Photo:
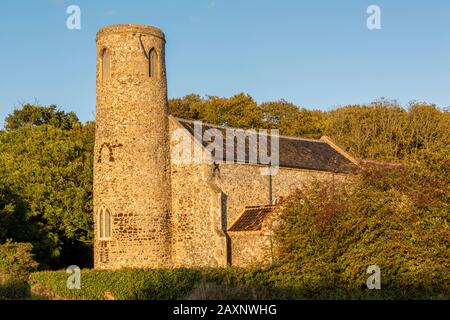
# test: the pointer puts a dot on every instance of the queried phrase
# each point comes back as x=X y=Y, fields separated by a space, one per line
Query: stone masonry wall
x=243 y=185
x=131 y=170
x=205 y=203
x=250 y=249
x=198 y=239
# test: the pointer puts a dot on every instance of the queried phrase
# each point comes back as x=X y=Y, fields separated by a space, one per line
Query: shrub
x=125 y=284
x=16 y=260
x=16 y=263
x=162 y=284
x=394 y=217
x=237 y=283
x=14 y=289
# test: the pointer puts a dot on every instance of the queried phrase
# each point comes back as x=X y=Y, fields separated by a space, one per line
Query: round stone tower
x=132 y=197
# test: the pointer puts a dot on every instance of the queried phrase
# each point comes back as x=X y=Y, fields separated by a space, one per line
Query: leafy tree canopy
x=46 y=179
x=35 y=115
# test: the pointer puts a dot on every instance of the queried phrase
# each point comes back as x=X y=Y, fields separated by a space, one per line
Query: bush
x=16 y=260
x=162 y=284
x=16 y=263
x=237 y=283
x=14 y=289
x=395 y=217
x=125 y=284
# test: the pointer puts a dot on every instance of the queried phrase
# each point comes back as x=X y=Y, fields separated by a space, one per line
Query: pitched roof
x=298 y=153
x=252 y=218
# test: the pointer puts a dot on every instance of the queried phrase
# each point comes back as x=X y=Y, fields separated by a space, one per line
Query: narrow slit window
x=107 y=224
x=106 y=65
x=153 y=63
x=100 y=223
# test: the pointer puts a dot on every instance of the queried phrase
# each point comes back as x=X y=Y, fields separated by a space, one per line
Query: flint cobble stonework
x=163 y=214
x=132 y=179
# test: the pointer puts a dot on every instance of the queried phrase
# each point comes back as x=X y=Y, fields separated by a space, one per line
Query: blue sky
x=316 y=54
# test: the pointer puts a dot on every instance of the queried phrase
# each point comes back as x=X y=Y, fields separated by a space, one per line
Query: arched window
x=153 y=63
x=104 y=223
x=106 y=65
x=100 y=223
x=107 y=224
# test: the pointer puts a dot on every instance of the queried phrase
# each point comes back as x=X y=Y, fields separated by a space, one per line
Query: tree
x=278 y=115
x=35 y=115
x=49 y=165
x=395 y=217
x=238 y=111
x=189 y=107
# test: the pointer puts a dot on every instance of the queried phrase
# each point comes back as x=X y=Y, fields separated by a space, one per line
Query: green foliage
x=31 y=116
x=291 y=120
x=14 y=219
x=16 y=263
x=14 y=289
x=382 y=130
x=396 y=217
x=238 y=111
x=46 y=181
x=219 y=284
x=189 y=107
x=16 y=260
x=124 y=284
x=236 y=283
x=162 y=284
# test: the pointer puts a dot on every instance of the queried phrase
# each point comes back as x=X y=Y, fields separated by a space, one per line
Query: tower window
x=100 y=221
x=104 y=223
x=153 y=63
x=106 y=65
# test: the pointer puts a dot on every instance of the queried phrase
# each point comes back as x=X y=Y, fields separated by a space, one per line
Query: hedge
x=206 y=284
x=125 y=284
x=160 y=284
x=14 y=289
